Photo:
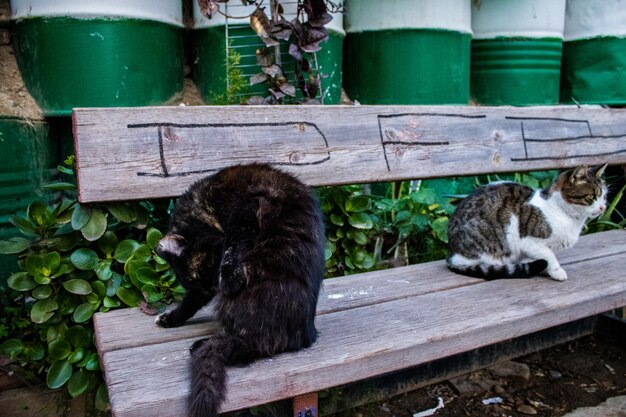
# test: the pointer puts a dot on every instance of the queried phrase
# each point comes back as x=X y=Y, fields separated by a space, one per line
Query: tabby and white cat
x=508 y=230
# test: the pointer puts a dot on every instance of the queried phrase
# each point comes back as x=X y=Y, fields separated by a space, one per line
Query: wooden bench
x=373 y=323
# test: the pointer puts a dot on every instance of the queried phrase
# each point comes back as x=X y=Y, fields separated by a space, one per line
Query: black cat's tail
x=209 y=358
x=491 y=272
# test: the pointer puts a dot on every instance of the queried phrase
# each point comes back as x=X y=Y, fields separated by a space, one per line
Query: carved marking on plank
x=180 y=138
x=412 y=130
x=534 y=130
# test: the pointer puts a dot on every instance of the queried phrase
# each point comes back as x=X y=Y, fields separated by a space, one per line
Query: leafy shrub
x=75 y=260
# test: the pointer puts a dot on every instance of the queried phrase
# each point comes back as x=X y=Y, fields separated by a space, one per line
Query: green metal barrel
x=594 y=52
x=407 y=51
x=85 y=53
x=516 y=51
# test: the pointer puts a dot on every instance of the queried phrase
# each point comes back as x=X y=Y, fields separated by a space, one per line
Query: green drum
x=594 y=52
x=90 y=53
x=407 y=51
x=222 y=69
x=516 y=51
x=28 y=163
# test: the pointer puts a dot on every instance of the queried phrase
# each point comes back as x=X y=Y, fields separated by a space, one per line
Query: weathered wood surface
x=360 y=343
x=118 y=329
x=363 y=342
x=137 y=153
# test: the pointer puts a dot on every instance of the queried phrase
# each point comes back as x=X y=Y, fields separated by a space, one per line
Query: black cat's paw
x=168 y=320
x=232 y=278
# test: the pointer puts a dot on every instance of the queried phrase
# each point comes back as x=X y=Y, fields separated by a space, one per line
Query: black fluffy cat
x=252 y=236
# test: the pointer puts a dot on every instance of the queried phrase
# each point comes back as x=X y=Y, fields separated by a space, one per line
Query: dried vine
x=305 y=33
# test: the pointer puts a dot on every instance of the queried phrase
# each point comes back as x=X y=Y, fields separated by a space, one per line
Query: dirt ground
x=549 y=384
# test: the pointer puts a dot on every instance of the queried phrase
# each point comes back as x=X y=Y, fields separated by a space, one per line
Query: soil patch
x=549 y=383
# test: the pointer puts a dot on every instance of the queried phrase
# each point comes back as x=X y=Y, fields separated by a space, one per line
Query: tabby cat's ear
x=599 y=170
x=578 y=174
x=170 y=246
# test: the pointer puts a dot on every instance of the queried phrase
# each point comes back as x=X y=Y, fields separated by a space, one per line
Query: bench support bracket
x=305 y=405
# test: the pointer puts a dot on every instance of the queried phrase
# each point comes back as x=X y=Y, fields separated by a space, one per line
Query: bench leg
x=305 y=405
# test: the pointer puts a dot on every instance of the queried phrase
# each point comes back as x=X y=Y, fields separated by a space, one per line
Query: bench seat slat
x=408 y=331
x=337 y=294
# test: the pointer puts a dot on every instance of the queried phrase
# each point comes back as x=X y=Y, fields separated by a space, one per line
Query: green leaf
x=361 y=221
x=77 y=286
x=359 y=237
x=78 y=336
x=103 y=271
x=107 y=243
x=440 y=228
x=125 y=250
x=51 y=262
x=42 y=279
x=58 y=374
x=14 y=245
x=78 y=384
x=110 y=302
x=85 y=259
x=122 y=212
x=81 y=215
x=39 y=213
x=34 y=264
x=55 y=332
x=95 y=227
x=63 y=269
x=42 y=310
x=93 y=363
x=152 y=237
x=151 y=294
x=76 y=356
x=11 y=348
x=147 y=275
x=113 y=284
x=142 y=253
x=426 y=196
x=83 y=313
x=36 y=352
x=336 y=220
x=59 y=349
x=329 y=250
x=143 y=218
x=99 y=289
x=129 y=297
x=102 y=398
x=60 y=186
x=357 y=204
x=23 y=224
x=21 y=281
x=41 y=293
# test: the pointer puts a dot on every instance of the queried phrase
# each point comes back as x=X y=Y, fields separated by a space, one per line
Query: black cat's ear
x=599 y=170
x=170 y=246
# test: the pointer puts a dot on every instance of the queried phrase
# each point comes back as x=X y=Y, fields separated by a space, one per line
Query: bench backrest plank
x=151 y=152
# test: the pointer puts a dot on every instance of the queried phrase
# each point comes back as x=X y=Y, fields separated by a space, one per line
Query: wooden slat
x=138 y=153
x=363 y=342
x=337 y=294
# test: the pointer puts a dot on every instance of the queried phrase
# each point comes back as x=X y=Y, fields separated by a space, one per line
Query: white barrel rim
x=368 y=15
x=592 y=19
x=165 y=11
x=518 y=19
